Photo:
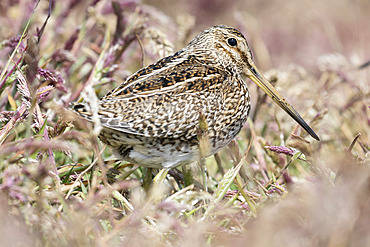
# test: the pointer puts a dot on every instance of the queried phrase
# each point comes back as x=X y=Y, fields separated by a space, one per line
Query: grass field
x=273 y=186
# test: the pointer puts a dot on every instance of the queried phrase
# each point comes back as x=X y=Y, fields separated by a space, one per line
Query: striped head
x=226 y=45
x=229 y=49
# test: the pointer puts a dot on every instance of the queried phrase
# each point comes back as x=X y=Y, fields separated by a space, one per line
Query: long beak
x=253 y=73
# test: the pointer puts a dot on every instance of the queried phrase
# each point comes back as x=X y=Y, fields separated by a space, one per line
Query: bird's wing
x=164 y=102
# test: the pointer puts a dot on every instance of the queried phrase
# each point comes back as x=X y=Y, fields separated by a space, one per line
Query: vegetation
x=273 y=185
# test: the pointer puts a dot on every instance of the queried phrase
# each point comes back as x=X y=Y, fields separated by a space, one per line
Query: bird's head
x=230 y=49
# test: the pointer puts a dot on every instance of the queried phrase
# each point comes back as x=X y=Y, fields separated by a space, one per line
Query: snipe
x=152 y=118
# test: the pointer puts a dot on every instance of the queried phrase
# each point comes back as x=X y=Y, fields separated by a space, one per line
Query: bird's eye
x=232 y=42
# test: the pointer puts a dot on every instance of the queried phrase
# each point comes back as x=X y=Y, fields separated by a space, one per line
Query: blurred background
x=292 y=31
x=60 y=187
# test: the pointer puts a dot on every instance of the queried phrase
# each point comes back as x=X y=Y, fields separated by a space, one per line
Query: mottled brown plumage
x=152 y=118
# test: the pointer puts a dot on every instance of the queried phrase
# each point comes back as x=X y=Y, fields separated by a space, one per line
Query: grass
x=272 y=186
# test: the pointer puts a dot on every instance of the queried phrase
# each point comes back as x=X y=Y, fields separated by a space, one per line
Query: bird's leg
x=204 y=176
x=219 y=164
x=147 y=178
x=188 y=176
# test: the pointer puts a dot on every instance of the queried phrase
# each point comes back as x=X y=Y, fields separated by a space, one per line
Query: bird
x=152 y=118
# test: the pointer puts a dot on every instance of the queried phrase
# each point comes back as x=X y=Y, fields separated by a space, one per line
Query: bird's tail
x=81 y=109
